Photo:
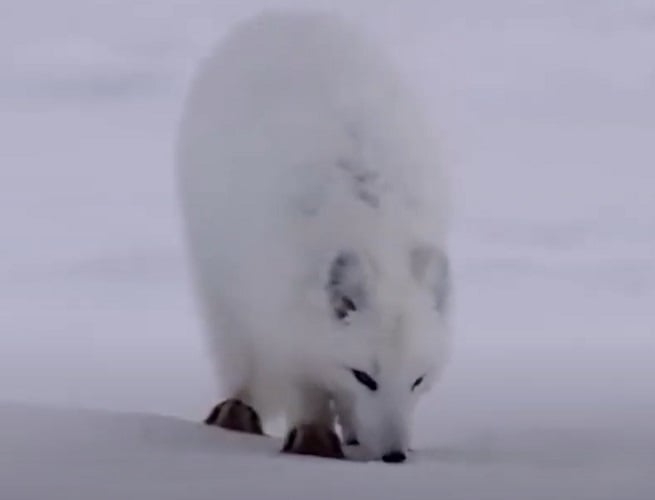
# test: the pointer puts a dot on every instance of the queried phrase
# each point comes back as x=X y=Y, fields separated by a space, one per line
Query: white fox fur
x=316 y=213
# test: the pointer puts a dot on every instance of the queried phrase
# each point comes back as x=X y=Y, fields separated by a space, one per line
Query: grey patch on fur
x=345 y=285
x=431 y=266
x=368 y=198
x=363 y=181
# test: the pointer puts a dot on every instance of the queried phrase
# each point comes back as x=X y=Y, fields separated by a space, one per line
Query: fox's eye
x=417 y=382
x=365 y=379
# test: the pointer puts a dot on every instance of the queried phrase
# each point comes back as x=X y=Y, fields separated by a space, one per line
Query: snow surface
x=548 y=118
x=67 y=455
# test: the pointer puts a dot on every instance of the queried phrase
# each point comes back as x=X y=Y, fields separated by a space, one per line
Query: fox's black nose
x=394 y=457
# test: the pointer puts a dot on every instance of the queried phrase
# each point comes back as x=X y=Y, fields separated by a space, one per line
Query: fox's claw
x=235 y=415
x=313 y=439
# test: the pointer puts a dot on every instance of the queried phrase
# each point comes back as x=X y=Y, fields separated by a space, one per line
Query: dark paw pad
x=317 y=440
x=234 y=415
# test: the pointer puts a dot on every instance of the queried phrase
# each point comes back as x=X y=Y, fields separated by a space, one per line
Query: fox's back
x=299 y=140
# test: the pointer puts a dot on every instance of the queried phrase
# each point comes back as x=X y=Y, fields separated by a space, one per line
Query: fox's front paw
x=235 y=415
x=313 y=439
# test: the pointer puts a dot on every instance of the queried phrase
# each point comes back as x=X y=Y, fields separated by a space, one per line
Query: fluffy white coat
x=301 y=147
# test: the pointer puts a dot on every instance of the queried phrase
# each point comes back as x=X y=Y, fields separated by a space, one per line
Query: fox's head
x=392 y=338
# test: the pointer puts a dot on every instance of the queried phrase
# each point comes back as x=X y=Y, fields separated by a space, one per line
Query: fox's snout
x=394 y=457
x=385 y=440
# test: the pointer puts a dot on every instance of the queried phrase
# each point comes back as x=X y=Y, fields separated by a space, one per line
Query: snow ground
x=548 y=117
x=66 y=455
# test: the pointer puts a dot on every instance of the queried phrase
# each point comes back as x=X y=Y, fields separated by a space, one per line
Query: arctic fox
x=316 y=214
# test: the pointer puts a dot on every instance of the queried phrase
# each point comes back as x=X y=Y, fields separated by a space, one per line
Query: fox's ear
x=431 y=268
x=346 y=285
